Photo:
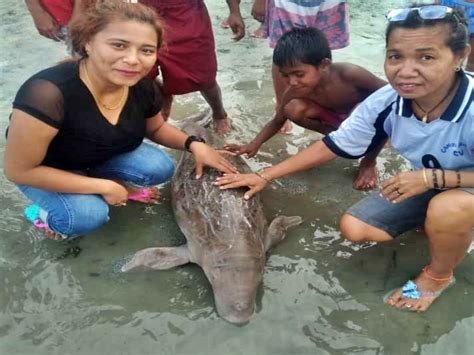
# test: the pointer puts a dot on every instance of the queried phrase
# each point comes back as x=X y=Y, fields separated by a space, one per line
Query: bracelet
x=428 y=274
x=443 y=177
x=435 y=178
x=262 y=177
x=458 y=179
x=425 y=179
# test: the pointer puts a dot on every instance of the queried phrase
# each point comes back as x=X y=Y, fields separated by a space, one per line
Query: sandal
x=145 y=195
x=31 y=213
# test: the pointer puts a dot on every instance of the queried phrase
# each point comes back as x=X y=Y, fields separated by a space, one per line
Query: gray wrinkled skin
x=226 y=235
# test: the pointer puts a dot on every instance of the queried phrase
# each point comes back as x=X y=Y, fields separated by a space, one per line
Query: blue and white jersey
x=447 y=142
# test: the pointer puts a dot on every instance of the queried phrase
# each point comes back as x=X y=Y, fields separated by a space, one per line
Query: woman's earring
x=458 y=68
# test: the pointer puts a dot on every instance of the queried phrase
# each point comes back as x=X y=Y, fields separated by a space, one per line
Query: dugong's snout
x=236 y=311
x=235 y=290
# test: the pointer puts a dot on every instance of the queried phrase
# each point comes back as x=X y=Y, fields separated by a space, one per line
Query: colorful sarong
x=467 y=7
x=330 y=16
x=187 y=60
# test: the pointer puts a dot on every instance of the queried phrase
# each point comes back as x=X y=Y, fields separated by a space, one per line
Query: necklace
x=96 y=97
x=426 y=113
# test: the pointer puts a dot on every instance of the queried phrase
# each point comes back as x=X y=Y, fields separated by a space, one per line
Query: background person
x=187 y=62
x=51 y=17
x=468 y=7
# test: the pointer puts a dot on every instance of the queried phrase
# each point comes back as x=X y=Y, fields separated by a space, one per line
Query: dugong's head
x=235 y=283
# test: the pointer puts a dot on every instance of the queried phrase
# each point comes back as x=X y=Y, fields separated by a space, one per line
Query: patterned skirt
x=330 y=16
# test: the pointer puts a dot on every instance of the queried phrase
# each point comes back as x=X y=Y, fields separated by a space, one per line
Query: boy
x=320 y=94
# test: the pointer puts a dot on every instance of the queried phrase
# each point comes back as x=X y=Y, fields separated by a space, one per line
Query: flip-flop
x=32 y=212
x=143 y=195
x=410 y=290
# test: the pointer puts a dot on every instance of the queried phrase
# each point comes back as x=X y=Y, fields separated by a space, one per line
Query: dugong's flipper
x=276 y=230
x=158 y=258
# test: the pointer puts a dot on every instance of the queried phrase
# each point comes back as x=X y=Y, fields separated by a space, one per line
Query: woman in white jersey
x=427 y=111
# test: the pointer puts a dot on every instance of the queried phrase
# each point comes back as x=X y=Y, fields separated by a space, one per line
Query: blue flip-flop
x=410 y=290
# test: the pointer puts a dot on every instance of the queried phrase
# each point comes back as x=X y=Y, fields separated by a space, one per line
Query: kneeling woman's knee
x=80 y=214
x=160 y=169
x=450 y=210
x=352 y=228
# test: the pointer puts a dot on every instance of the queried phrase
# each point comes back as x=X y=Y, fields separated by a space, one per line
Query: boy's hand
x=248 y=150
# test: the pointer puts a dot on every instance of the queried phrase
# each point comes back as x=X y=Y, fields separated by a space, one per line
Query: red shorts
x=187 y=59
x=60 y=10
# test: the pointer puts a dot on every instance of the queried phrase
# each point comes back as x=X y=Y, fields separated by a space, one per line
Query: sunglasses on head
x=432 y=12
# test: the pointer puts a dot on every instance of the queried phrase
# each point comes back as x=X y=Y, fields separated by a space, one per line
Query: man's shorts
x=395 y=218
x=187 y=59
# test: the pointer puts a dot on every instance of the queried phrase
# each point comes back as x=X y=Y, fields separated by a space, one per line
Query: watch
x=190 y=139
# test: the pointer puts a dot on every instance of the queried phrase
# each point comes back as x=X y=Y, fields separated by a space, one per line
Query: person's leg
x=143 y=167
x=166 y=99
x=367 y=177
x=213 y=97
x=448 y=225
x=470 y=59
x=68 y=214
x=310 y=115
x=376 y=219
x=279 y=86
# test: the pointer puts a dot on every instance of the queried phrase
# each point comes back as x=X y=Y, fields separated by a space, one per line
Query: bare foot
x=286 y=128
x=428 y=288
x=149 y=195
x=258 y=33
x=225 y=24
x=222 y=125
x=367 y=177
x=48 y=233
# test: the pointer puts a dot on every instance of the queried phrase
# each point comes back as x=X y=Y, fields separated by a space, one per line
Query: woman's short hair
x=97 y=17
x=455 y=22
x=305 y=45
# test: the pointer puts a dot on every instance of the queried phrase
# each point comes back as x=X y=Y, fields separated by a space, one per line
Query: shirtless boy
x=320 y=94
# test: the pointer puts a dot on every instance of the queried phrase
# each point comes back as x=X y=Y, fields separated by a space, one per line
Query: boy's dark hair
x=305 y=45
x=456 y=23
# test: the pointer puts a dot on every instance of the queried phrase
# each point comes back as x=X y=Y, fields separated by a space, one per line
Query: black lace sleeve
x=41 y=99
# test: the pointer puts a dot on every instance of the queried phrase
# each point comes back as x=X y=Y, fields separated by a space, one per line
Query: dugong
x=226 y=235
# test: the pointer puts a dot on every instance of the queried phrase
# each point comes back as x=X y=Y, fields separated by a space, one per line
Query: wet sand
x=320 y=294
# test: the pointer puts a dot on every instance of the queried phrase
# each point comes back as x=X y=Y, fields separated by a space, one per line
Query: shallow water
x=320 y=294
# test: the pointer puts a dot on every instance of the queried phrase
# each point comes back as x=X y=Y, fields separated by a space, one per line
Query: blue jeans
x=77 y=214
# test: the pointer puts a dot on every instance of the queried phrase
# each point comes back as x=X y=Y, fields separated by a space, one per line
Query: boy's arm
x=44 y=22
x=268 y=131
x=361 y=78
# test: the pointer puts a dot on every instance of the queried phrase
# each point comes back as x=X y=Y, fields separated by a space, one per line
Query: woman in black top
x=75 y=141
